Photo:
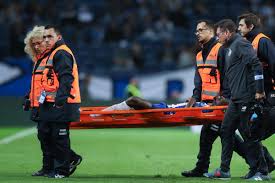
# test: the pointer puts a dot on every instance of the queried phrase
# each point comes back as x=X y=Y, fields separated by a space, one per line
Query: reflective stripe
x=199 y=62
x=41 y=67
x=210 y=93
x=52 y=94
x=258 y=77
x=211 y=62
x=207 y=62
x=50 y=62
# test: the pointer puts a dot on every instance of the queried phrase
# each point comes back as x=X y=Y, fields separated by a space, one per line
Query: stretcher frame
x=94 y=117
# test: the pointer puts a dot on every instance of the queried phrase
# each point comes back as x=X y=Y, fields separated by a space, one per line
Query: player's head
x=34 y=42
x=133 y=80
x=247 y=22
x=205 y=31
x=225 y=29
x=51 y=36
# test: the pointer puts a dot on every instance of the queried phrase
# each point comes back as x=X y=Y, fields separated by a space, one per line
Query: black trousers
x=55 y=145
x=237 y=116
x=209 y=133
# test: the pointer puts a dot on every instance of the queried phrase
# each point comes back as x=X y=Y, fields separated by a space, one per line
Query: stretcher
x=94 y=117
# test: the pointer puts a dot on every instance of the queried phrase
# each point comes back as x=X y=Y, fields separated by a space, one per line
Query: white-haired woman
x=35 y=46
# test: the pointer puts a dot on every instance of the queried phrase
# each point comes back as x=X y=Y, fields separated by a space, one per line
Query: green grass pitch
x=119 y=156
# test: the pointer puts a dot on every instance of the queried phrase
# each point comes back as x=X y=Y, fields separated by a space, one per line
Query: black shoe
x=193 y=173
x=250 y=174
x=271 y=168
x=41 y=172
x=74 y=164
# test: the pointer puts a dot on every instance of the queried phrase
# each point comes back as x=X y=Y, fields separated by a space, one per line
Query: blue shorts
x=161 y=105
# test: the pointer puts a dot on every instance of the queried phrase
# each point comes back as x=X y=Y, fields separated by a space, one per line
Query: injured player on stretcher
x=137 y=103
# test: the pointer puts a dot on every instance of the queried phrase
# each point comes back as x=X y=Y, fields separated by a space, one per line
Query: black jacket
x=68 y=112
x=197 y=79
x=266 y=54
x=242 y=66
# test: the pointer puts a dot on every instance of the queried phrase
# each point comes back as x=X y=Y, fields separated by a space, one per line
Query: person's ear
x=251 y=27
x=59 y=37
x=226 y=32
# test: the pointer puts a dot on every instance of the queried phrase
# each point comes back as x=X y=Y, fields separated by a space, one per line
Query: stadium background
x=114 y=40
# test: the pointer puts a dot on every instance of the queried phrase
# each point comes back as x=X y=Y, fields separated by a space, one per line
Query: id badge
x=42 y=97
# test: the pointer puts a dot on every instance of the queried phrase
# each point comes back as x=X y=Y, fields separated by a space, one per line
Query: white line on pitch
x=18 y=135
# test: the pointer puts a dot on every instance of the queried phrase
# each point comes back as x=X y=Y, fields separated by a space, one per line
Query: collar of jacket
x=250 y=36
x=231 y=39
x=43 y=55
x=57 y=44
x=210 y=43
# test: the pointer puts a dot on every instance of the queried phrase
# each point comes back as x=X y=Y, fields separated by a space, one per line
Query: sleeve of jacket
x=198 y=85
x=225 y=92
x=267 y=52
x=250 y=58
x=63 y=67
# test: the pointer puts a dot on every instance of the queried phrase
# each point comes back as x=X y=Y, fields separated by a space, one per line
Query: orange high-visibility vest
x=50 y=83
x=255 y=44
x=36 y=84
x=210 y=84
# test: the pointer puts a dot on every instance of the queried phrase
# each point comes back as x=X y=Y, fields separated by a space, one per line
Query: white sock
x=180 y=105
x=120 y=106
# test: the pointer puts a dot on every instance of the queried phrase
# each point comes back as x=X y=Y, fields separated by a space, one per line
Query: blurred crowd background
x=115 y=36
x=121 y=38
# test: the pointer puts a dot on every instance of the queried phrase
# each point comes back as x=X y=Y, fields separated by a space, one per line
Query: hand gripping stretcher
x=94 y=117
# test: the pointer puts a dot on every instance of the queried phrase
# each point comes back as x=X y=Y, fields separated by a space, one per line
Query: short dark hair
x=227 y=24
x=208 y=23
x=250 y=19
x=56 y=29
